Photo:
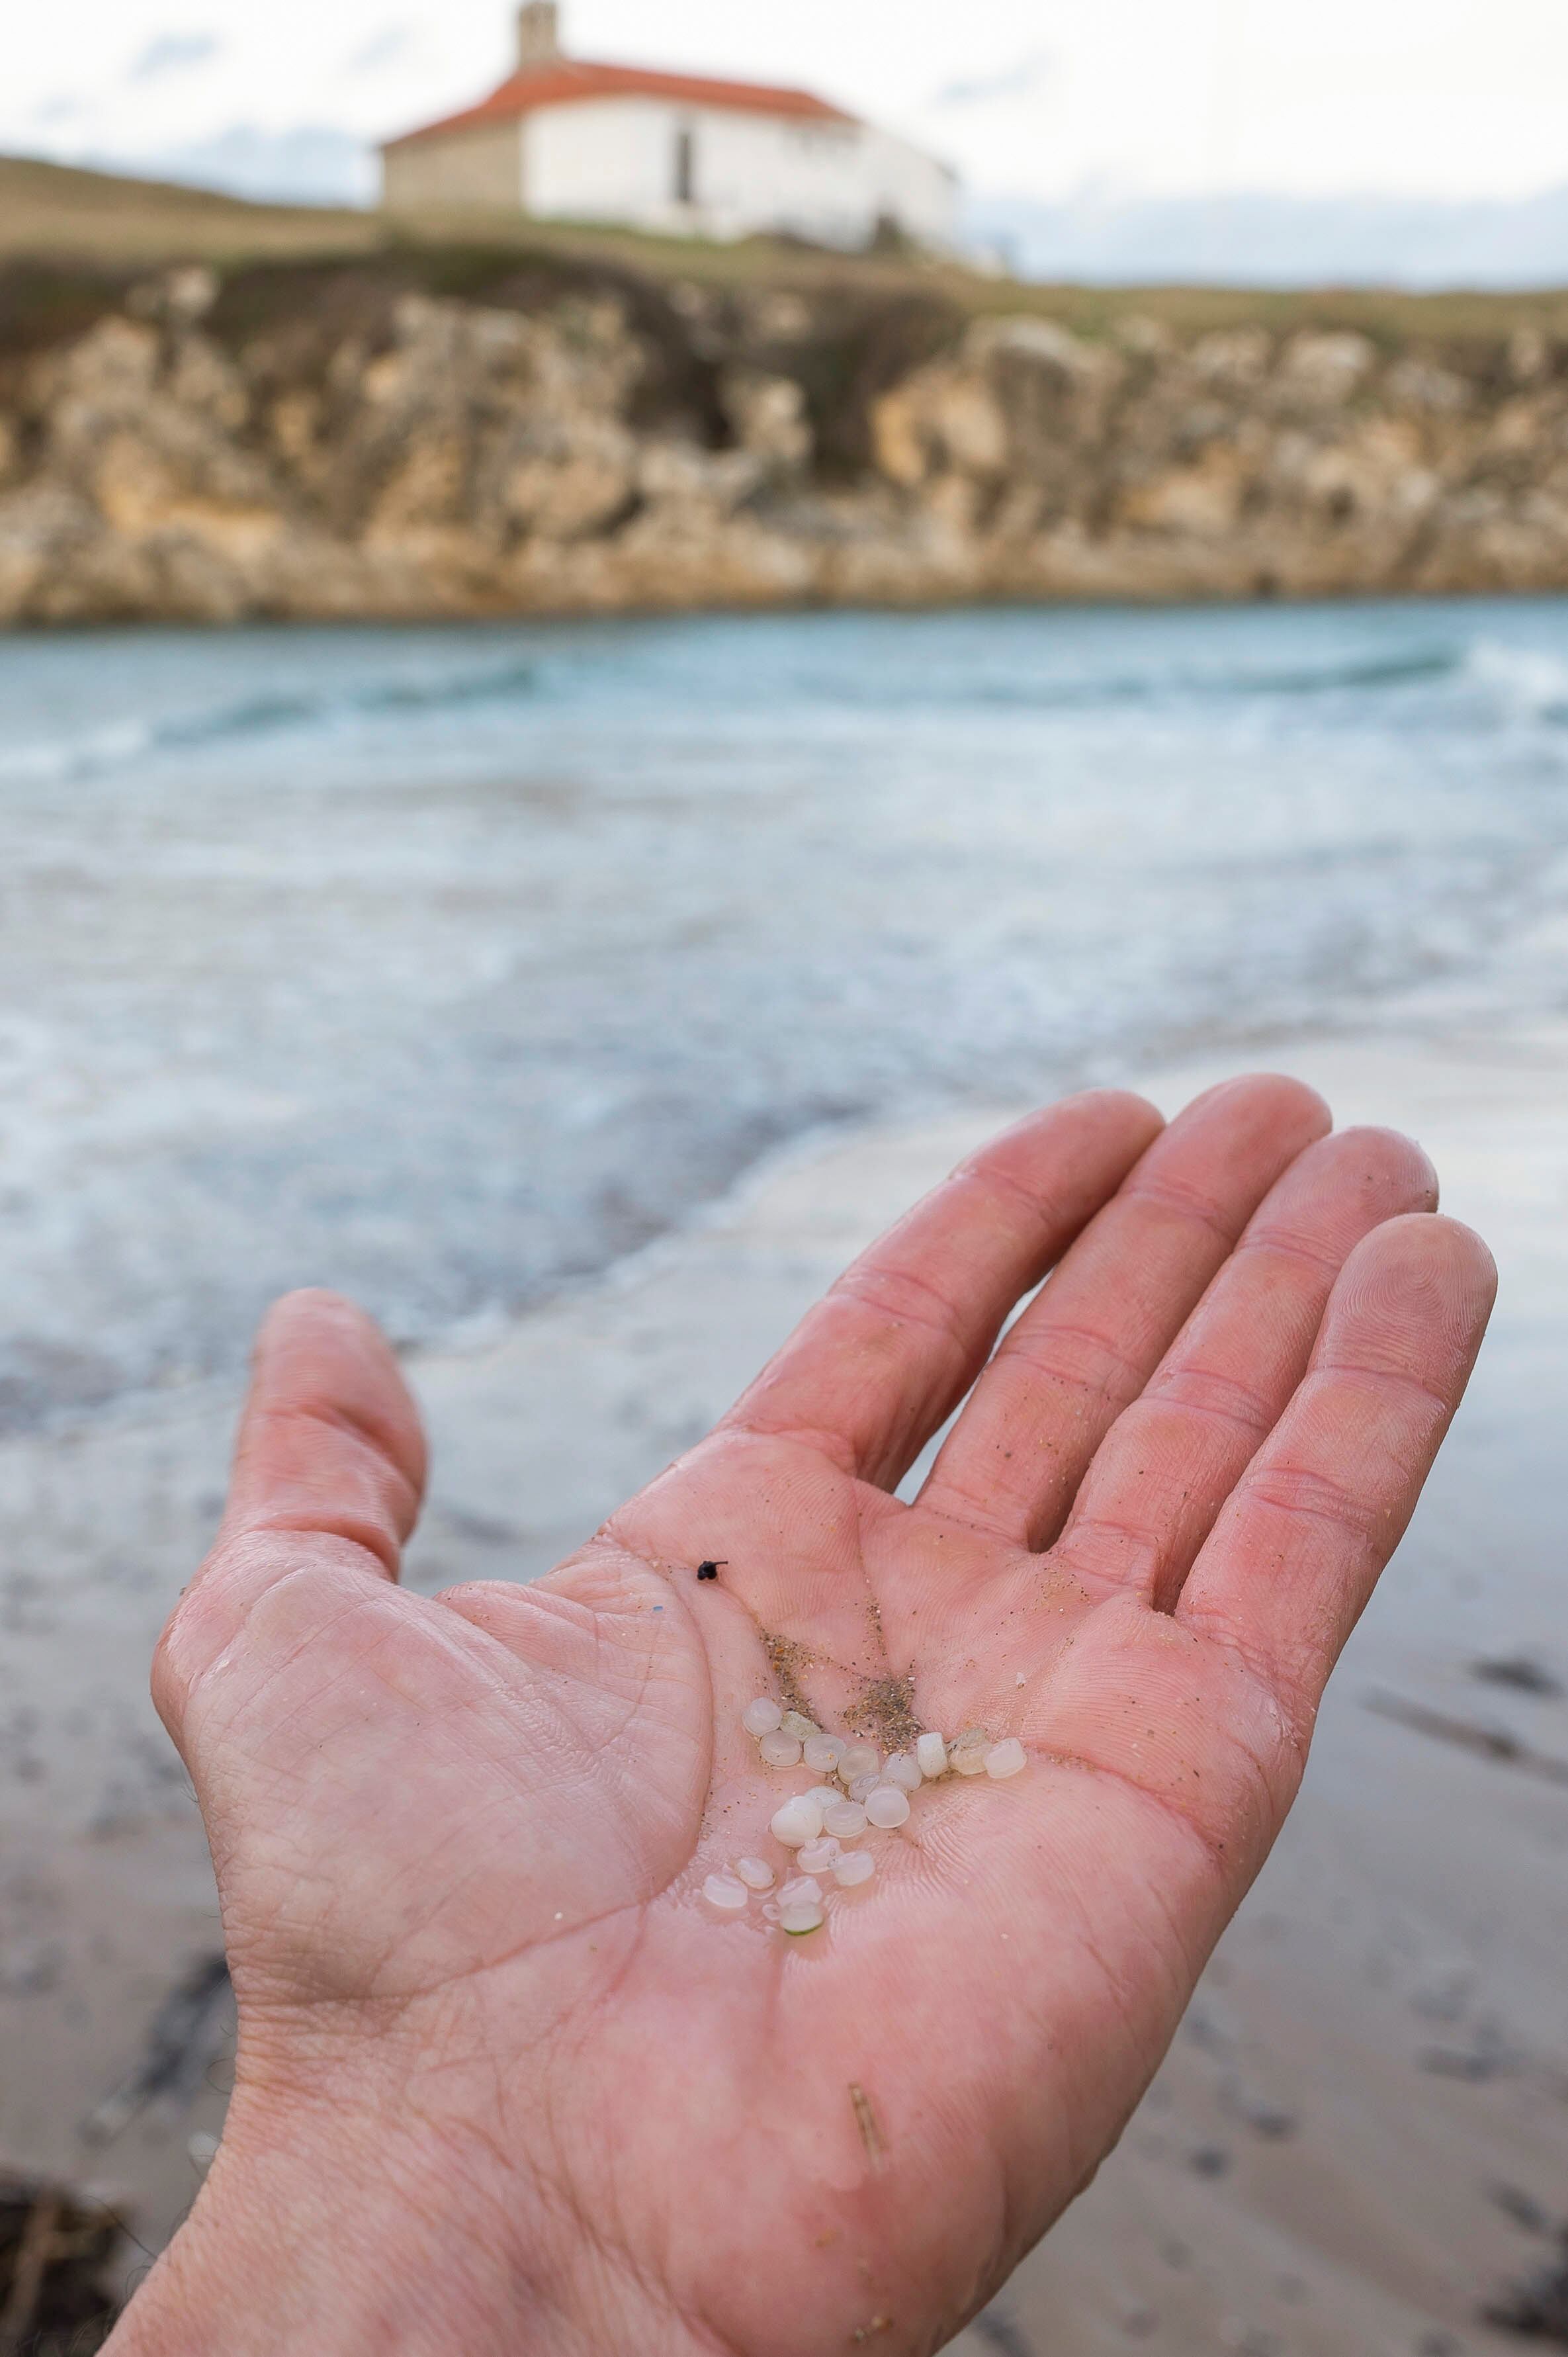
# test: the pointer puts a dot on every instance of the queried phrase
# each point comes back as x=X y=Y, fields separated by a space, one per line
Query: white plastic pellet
x=724 y=1892
x=796 y=1723
x=845 y=1821
x=888 y=1806
x=800 y=1821
x=826 y=1795
x=1008 y=1759
x=755 y=1872
x=763 y=1716
x=865 y=1785
x=817 y=1857
x=902 y=1770
x=798 y=1921
x=805 y=1891
x=855 y=1865
x=780 y=1750
x=931 y=1754
x=823 y=1753
x=859 y=1759
x=967 y=1755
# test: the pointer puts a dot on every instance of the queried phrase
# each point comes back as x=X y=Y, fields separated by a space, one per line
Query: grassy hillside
x=102 y=226
x=49 y=210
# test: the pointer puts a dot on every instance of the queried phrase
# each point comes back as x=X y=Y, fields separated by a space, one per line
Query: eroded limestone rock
x=311 y=446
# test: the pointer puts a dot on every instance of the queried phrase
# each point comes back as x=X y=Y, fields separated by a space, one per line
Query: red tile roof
x=569 y=82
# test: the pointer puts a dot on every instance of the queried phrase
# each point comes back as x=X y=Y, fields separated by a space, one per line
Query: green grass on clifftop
x=79 y=230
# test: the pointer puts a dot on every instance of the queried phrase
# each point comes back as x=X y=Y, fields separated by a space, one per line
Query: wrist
x=310 y=2235
x=336 y=2230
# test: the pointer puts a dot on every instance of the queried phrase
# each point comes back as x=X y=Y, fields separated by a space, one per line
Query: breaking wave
x=1157 y=685
x=1530 y=683
x=1524 y=683
x=121 y=746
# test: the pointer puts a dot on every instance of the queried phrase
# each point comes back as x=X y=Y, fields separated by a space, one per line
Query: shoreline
x=476 y=1333
x=897 y=861
x=937 y=598
x=1382 y=2036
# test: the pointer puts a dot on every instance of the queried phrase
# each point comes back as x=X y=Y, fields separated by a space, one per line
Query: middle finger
x=1089 y=1343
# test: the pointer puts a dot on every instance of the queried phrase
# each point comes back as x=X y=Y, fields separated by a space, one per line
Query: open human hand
x=505 y=2080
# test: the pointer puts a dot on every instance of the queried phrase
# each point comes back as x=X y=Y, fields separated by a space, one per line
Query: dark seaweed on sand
x=54 y=2250
x=1538 y=2309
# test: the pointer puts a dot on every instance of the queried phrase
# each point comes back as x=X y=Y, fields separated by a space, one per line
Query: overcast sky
x=1034 y=98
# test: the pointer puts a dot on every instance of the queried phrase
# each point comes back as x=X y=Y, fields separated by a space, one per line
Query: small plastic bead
x=800 y=1821
x=724 y=1892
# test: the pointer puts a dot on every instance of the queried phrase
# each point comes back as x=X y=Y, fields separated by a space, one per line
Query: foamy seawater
x=445 y=966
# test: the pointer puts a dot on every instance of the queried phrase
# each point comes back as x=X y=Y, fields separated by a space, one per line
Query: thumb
x=328 y=1474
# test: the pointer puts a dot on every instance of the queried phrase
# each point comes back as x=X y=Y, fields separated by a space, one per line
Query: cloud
x=1279 y=241
x=381 y=49
x=175 y=53
x=58 y=109
x=310 y=165
x=1019 y=81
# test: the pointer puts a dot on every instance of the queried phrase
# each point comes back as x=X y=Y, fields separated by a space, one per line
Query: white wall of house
x=598 y=159
x=912 y=188
x=630 y=159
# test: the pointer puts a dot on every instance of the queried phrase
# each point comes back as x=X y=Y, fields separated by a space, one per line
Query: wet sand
x=1361 y=2137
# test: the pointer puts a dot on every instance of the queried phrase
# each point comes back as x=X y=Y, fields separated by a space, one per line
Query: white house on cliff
x=565 y=140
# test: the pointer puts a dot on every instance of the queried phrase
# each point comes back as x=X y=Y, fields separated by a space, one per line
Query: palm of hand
x=461 y=1844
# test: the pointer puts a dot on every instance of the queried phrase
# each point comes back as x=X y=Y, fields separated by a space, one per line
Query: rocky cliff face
x=383 y=439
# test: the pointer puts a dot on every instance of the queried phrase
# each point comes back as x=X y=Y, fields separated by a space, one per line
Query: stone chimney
x=538 y=36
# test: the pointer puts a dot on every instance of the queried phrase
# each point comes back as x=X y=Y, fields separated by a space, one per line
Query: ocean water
x=449 y=966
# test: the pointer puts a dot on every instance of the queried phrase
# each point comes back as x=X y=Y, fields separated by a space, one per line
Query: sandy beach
x=1360 y=2140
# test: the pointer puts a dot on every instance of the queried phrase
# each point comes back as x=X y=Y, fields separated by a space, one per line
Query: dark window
x=685 y=167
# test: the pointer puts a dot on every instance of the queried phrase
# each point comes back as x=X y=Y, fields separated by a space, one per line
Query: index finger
x=881 y=1363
